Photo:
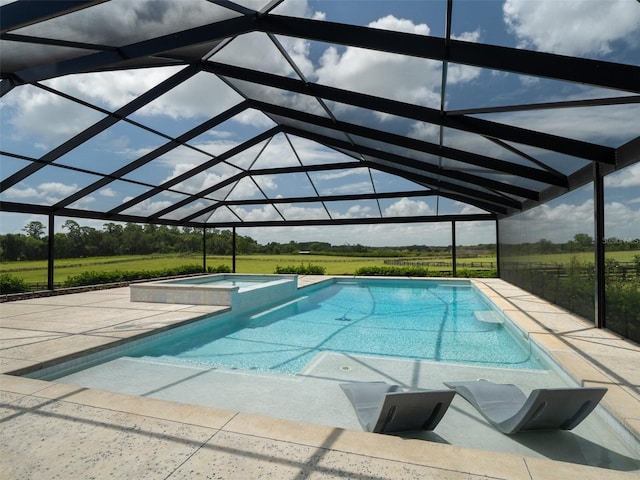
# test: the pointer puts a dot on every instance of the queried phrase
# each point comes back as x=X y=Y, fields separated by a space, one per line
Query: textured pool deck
x=54 y=430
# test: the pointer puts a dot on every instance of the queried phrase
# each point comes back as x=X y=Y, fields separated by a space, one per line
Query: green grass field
x=583 y=257
x=36 y=271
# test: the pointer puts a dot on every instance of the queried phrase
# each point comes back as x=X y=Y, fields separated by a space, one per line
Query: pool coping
x=588 y=355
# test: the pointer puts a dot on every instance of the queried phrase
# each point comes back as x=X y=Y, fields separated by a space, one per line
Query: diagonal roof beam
x=413 y=144
x=191 y=173
x=100 y=126
x=559 y=67
x=24 y=13
x=13 y=37
x=104 y=60
x=236 y=7
x=482 y=200
x=161 y=150
x=588 y=102
x=576 y=148
x=415 y=165
x=239 y=176
x=436 y=170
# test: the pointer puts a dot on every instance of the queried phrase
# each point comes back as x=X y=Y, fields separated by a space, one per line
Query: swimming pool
x=425 y=320
x=314 y=395
x=428 y=320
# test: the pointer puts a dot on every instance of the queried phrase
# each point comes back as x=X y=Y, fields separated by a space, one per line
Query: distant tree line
x=581 y=242
x=76 y=241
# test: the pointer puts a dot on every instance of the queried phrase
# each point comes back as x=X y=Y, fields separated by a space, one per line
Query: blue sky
x=33 y=121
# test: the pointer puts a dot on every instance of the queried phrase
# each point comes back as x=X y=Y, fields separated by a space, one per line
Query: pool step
x=488 y=316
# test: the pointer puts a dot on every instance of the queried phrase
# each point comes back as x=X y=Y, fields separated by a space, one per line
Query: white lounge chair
x=509 y=410
x=385 y=408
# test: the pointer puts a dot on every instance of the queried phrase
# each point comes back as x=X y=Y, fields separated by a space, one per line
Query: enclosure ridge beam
x=527 y=62
x=546 y=141
x=87 y=214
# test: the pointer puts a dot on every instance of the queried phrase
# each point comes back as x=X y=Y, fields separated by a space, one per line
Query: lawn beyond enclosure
x=36 y=271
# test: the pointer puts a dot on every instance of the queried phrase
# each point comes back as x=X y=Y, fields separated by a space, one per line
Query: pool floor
x=314 y=396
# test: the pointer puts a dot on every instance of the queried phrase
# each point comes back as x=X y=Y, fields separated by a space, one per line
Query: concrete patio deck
x=53 y=430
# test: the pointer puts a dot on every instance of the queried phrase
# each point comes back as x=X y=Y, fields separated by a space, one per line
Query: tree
x=34 y=229
x=583 y=241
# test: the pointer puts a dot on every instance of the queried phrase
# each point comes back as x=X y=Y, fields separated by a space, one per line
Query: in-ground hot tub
x=239 y=291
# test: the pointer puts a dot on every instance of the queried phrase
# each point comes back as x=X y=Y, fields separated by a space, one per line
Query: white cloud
x=146 y=207
x=336 y=175
x=264 y=213
x=16 y=193
x=201 y=181
x=621 y=221
x=107 y=192
x=389 y=75
x=347 y=188
x=44 y=119
x=606 y=123
x=356 y=211
x=121 y=22
x=577 y=27
x=400 y=25
x=296 y=212
x=47 y=193
x=563 y=215
x=267 y=182
x=469 y=209
x=406 y=207
x=628 y=177
x=84 y=202
x=188 y=210
x=112 y=89
x=559 y=223
x=369 y=235
x=203 y=95
x=256 y=50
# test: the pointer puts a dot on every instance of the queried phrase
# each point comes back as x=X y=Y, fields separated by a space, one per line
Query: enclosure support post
x=50 y=250
x=204 y=249
x=454 y=271
x=233 y=251
x=497 y=248
x=598 y=209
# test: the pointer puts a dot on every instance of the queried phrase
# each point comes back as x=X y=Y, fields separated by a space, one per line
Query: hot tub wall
x=181 y=294
x=277 y=288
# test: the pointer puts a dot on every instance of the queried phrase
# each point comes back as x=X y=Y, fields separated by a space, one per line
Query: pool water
x=223 y=283
x=220 y=282
x=424 y=320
